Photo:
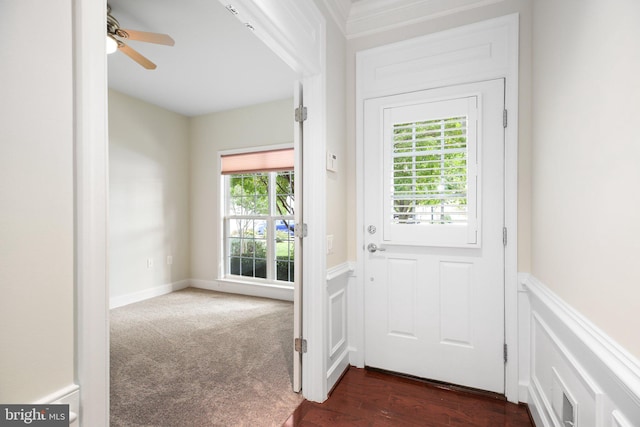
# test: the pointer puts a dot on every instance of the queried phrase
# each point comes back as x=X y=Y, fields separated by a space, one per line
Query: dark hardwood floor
x=370 y=398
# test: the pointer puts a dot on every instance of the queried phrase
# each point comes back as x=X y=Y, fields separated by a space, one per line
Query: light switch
x=332 y=162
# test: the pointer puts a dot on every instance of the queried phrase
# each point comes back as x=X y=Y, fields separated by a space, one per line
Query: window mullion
x=271 y=227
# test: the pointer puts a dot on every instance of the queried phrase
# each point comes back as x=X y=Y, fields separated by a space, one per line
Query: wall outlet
x=169 y=260
x=149 y=263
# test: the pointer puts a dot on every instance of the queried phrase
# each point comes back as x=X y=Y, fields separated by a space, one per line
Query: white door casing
x=299 y=219
x=303 y=48
x=480 y=51
x=434 y=290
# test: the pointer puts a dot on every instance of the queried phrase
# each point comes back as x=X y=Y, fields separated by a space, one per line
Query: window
x=259 y=222
x=430 y=172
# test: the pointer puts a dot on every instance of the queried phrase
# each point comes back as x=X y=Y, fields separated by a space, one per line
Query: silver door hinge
x=505 y=354
x=504 y=236
x=504 y=118
x=301 y=231
x=301 y=114
x=300 y=345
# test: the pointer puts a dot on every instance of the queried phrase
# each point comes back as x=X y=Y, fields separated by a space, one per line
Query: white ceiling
x=216 y=64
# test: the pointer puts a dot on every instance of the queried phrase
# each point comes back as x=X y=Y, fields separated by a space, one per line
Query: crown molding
x=339 y=10
x=364 y=17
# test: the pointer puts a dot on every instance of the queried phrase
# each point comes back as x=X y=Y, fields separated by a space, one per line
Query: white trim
x=537 y=406
x=296 y=32
x=255 y=149
x=340 y=270
x=504 y=32
x=337 y=368
x=284 y=293
x=343 y=327
x=339 y=11
x=620 y=363
x=69 y=395
x=338 y=320
x=58 y=395
x=619 y=420
x=293 y=30
x=91 y=195
x=511 y=207
x=145 y=294
x=375 y=16
x=314 y=294
x=602 y=377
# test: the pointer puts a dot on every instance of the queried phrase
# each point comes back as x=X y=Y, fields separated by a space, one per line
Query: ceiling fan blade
x=136 y=56
x=144 y=36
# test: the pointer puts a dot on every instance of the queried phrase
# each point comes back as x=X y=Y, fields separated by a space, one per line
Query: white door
x=434 y=215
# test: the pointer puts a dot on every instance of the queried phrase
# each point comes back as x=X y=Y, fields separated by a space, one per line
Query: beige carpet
x=199 y=358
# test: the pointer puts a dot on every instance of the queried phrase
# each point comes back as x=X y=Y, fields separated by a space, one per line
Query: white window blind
x=429 y=180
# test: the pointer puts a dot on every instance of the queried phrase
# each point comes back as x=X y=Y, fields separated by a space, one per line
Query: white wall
x=36 y=200
x=501 y=8
x=259 y=125
x=585 y=243
x=149 y=196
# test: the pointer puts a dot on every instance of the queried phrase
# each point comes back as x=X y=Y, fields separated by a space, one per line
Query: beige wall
x=586 y=154
x=36 y=200
x=337 y=182
x=523 y=7
x=259 y=125
x=148 y=195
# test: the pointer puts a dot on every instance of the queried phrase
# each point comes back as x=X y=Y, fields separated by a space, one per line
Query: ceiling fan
x=115 y=35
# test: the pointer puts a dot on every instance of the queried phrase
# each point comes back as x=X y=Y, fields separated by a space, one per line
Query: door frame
x=485 y=50
x=276 y=23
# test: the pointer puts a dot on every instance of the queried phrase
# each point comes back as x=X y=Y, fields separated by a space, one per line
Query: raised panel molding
x=338 y=321
x=471 y=53
x=567 y=351
x=337 y=338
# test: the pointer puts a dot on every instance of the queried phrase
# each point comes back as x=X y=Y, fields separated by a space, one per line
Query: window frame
x=270 y=218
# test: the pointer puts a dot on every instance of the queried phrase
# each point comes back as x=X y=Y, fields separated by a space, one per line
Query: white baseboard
x=69 y=395
x=122 y=300
x=569 y=355
x=284 y=293
x=337 y=369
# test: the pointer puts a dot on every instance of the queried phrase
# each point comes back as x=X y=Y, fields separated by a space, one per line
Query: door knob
x=372 y=247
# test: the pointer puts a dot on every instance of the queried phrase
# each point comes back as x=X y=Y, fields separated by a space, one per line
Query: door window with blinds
x=259 y=215
x=430 y=169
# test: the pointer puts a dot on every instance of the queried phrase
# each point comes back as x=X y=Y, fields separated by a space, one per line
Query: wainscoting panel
x=337 y=342
x=577 y=375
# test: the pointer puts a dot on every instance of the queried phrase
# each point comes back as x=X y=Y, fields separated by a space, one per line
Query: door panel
x=434 y=208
